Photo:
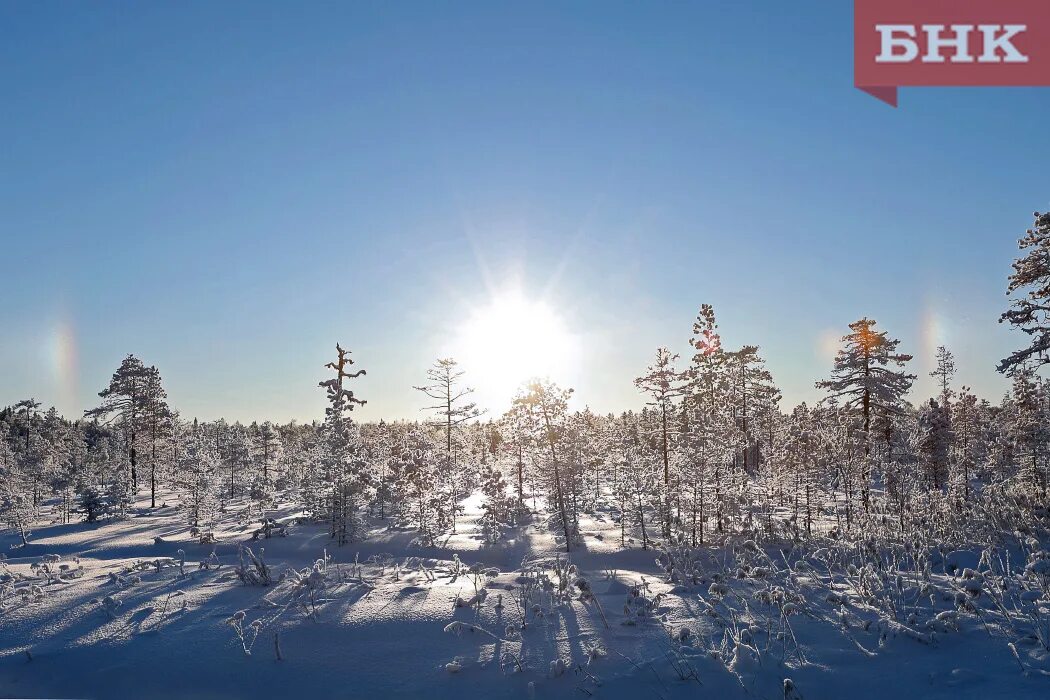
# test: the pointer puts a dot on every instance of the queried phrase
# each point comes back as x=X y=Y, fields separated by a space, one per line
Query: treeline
x=711 y=455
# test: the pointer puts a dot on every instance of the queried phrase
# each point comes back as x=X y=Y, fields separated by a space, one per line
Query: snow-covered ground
x=380 y=618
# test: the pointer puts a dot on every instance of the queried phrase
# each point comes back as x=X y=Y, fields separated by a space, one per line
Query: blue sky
x=227 y=189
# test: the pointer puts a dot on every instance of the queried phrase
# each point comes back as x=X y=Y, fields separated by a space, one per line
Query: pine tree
x=711 y=425
x=28 y=408
x=199 y=473
x=664 y=384
x=865 y=380
x=233 y=447
x=16 y=502
x=754 y=396
x=157 y=420
x=935 y=442
x=971 y=440
x=346 y=473
x=497 y=506
x=266 y=446
x=124 y=401
x=1031 y=312
x=94 y=503
x=943 y=373
x=118 y=495
x=797 y=452
x=698 y=452
x=518 y=430
x=453 y=408
x=384 y=452
x=1030 y=428
x=425 y=505
x=547 y=404
x=68 y=461
x=33 y=455
x=634 y=480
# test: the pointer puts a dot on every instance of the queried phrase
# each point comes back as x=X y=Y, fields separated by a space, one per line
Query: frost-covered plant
x=477 y=575
x=246 y=637
x=252 y=570
x=308 y=585
x=527 y=598
x=681 y=562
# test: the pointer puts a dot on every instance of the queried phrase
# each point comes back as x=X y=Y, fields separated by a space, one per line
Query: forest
x=712 y=454
x=713 y=477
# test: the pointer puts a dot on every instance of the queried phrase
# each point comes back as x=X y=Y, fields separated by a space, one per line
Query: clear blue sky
x=226 y=189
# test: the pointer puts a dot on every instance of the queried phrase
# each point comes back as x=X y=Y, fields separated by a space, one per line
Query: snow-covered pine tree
x=713 y=431
x=33 y=453
x=266 y=448
x=200 y=481
x=696 y=455
x=68 y=461
x=970 y=425
x=636 y=481
x=865 y=381
x=233 y=447
x=517 y=428
x=261 y=494
x=664 y=383
x=935 y=443
x=797 y=453
x=101 y=459
x=157 y=423
x=16 y=497
x=453 y=407
x=347 y=476
x=547 y=406
x=118 y=495
x=123 y=403
x=1029 y=428
x=497 y=505
x=1031 y=312
x=843 y=444
x=385 y=454
x=425 y=506
x=943 y=373
x=92 y=502
x=753 y=396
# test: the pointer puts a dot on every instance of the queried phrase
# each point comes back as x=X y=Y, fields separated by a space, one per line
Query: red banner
x=949 y=43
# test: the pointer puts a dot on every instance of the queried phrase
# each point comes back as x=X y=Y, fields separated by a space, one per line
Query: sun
x=509 y=340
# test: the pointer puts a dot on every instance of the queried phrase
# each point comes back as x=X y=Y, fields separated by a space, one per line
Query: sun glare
x=512 y=339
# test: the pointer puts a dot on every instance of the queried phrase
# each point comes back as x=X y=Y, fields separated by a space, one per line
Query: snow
x=380 y=618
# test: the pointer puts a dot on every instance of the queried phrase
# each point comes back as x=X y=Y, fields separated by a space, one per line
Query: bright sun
x=510 y=340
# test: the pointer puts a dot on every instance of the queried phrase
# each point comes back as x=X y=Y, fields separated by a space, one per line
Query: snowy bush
x=252 y=570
